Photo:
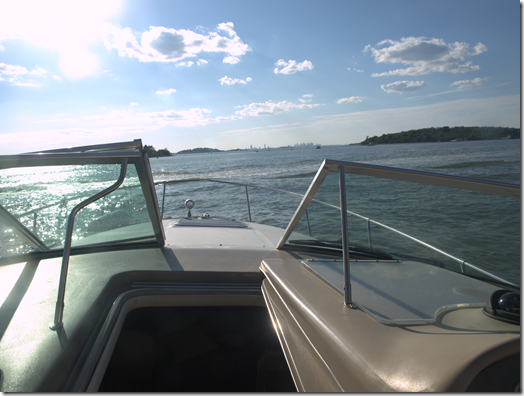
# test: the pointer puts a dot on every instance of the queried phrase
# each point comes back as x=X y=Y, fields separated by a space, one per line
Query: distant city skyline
x=251 y=147
x=230 y=74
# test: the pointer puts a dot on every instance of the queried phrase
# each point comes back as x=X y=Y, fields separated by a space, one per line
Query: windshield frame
x=103 y=154
x=400 y=174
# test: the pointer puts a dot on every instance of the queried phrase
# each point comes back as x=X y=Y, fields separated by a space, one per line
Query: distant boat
x=318 y=147
x=371 y=144
x=457 y=140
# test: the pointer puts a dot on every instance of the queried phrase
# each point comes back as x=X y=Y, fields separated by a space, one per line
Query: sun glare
x=78 y=64
x=67 y=26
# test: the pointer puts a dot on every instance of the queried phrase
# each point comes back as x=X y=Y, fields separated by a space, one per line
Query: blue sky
x=230 y=74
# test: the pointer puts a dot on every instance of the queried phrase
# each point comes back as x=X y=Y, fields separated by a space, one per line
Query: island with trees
x=152 y=152
x=199 y=150
x=445 y=134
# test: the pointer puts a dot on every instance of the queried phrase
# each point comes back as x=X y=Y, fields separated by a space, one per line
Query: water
x=293 y=170
x=461 y=223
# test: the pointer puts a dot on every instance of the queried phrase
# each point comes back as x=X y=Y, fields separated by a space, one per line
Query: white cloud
x=231 y=60
x=404 y=86
x=351 y=99
x=161 y=44
x=11 y=70
x=232 y=81
x=166 y=92
x=133 y=104
x=358 y=71
x=191 y=63
x=19 y=75
x=55 y=77
x=271 y=108
x=228 y=27
x=425 y=56
x=21 y=84
x=291 y=66
x=130 y=120
x=308 y=98
x=38 y=72
x=463 y=84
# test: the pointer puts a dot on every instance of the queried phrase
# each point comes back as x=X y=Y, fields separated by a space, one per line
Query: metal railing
x=421 y=177
x=245 y=185
x=462 y=263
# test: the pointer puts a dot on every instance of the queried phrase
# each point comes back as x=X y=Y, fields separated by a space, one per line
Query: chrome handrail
x=59 y=310
x=246 y=185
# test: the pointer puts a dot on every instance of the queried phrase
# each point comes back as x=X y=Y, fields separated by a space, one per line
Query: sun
x=78 y=64
x=66 y=26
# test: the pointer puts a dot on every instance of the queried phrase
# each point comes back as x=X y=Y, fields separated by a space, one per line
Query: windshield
x=433 y=224
x=36 y=202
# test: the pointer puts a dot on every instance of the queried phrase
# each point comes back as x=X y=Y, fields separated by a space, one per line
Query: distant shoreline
x=425 y=135
x=444 y=134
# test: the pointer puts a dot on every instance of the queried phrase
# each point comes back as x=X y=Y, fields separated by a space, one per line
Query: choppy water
x=484 y=230
x=465 y=223
x=293 y=170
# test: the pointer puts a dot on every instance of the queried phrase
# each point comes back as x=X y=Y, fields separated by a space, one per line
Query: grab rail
x=59 y=310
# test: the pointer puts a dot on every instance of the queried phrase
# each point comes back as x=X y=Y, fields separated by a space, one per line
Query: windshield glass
x=36 y=203
x=437 y=225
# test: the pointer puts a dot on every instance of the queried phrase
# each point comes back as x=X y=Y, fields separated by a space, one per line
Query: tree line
x=152 y=152
x=445 y=134
x=199 y=150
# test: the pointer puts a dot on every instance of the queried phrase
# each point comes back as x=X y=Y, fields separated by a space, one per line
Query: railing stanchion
x=163 y=200
x=307 y=221
x=248 y=208
x=345 y=248
x=369 y=234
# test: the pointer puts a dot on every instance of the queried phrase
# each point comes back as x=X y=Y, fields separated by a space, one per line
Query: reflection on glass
x=41 y=199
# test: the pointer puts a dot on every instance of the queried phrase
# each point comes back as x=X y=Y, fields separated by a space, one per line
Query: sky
x=233 y=74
